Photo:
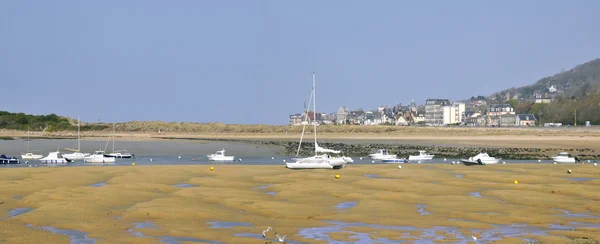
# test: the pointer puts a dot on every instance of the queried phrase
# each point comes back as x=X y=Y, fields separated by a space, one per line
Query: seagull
x=239 y=159
x=474 y=238
x=281 y=239
x=265 y=231
x=150 y=160
x=444 y=159
x=373 y=161
x=178 y=156
x=272 y=157
x=360 y=158
x=284 y=160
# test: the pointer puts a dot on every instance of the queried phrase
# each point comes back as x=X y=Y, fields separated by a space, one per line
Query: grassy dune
x=63 y=198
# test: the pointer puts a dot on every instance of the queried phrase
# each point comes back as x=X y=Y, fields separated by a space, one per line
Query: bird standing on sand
x=474 y=238
x=265 y=231
x=281 y=239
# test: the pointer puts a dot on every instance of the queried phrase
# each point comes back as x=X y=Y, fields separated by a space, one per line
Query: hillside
x=578 y=82
x=577 y=91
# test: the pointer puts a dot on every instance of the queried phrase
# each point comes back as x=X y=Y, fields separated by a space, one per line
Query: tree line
x=48 y=123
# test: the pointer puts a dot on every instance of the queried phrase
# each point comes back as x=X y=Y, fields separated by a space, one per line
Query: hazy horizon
x=250 y=62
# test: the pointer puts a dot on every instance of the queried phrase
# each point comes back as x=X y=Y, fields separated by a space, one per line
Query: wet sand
x=234 y=203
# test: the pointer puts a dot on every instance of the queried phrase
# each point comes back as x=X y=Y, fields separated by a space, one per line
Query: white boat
x=29 y=154
x=423 y=156
x=564 y=158
x=480 y=159
x=77 y=154
x=118 y=153
x=98 y=157
x=55 y=158
x=382 y=154
x=220 y=156
x=321 y=159
x=394 y=160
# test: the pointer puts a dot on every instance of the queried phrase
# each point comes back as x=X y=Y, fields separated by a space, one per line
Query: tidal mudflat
x=414 y=204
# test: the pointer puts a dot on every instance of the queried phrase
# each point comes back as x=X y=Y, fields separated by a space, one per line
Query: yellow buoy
x=337 y=176
x=212 y=168
x=516 y=182
x=132 y=164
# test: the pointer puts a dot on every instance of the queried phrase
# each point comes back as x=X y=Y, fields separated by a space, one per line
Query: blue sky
x=251 y=61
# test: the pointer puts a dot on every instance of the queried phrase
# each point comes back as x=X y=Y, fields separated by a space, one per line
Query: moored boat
x=394 y=160
x=564 y=158
x=8 y=160
x=98 y=157
x=55 y=158
x=220 y=156
x=423 y=156
x=480 y=159
x=382 y=154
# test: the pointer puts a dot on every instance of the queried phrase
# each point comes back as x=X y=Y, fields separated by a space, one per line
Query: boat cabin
x=563 y=154
x=383 y=152
x=99 y=153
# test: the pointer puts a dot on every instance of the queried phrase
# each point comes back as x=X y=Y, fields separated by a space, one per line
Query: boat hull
x=221 y=159
x=298 y=165
x=421 y=158
x=9 y=161
x=30 y=157
x=394 y=161
x=118 y=156
x=479 y=162
x=74 y=157
x=100 y=160
x=564 y=160
x=55 y=161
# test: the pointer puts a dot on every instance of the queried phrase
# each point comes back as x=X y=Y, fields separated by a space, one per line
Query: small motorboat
x=564 y=158
x=423 y=156
x=119 y=154
x=98 y=157
x=55 y=158
x=394 y=160
x=31 y=155
x=220 y=156
x=480 y=159
x=8 y=160
x=382 y=154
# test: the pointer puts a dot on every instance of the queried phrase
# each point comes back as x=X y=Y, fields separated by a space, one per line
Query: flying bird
x=281 y=239
x=265 y=231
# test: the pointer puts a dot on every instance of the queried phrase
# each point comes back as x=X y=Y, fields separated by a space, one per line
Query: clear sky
x=251 y=61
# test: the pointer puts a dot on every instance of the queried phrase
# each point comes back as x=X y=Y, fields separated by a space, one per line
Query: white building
x=454 y=113
x=434 y=112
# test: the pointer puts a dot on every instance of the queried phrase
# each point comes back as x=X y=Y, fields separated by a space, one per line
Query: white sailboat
x=322 y=161
x=29 y=154
x=118 y=153
x=77 y=154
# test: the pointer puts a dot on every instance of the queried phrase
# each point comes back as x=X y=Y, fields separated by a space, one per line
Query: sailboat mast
x=78 y=139
x=28 y=139
x=315 y=112
x=115 y=125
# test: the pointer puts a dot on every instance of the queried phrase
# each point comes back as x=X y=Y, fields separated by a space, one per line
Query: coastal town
x=493 y=111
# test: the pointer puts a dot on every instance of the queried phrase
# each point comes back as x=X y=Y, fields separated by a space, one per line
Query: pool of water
x=184 y=185
x=227 y=225
x=346 y=205
x=77 y=237
x=581 y=179
x=459 y=175
x=429 y=235
x=18 y=211
x=372 y=176
x=98 y=184
x=272 y=193
x=475 y=194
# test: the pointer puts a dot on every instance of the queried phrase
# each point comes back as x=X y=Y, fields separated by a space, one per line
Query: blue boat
x=8 y=160
x=394 y=160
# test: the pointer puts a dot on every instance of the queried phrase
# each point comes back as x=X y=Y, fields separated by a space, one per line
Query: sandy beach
x=440 y=203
